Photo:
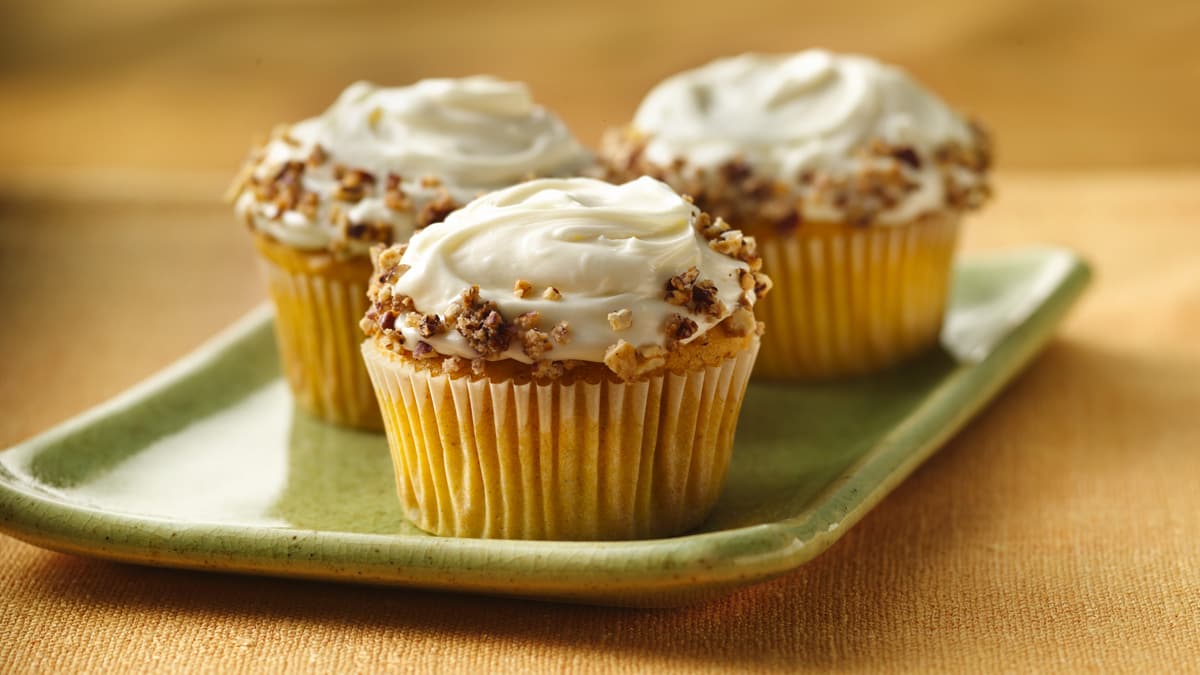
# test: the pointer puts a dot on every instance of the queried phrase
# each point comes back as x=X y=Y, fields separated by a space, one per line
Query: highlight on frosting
x=793 y=117
x=574 y=267
x=382 y=162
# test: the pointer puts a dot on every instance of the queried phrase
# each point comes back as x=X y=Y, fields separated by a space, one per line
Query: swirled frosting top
x=600 y=262
x=379 y=156
x=786 y=115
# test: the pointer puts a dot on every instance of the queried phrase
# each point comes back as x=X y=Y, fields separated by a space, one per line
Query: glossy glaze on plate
x=208 y=466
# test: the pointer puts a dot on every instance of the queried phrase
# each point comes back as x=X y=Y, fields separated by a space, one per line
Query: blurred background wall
x=186 y=83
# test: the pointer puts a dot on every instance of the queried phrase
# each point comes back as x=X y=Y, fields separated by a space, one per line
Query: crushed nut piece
x=521 y=287
x=561 y=333
x=535 y=343
x=741 y=322
x=436 y=210
x=317 y=156
x=528 y=320
x=480 y=322
x=551 y=293
x=620 y=319
x=705 y=300
x=679 y=287
x=455 y=365
x=679 y=327
x=430 y=325
x=762 y=284
x=424 y=350
x=621 y=358
x=548 y=370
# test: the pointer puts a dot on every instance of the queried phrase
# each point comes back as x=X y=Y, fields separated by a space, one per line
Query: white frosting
x=788 y=113
x=475 y=134
x=604 y=247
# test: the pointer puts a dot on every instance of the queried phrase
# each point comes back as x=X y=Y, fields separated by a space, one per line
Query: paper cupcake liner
x=581 y=461
x=850 y=300
x=317 y=310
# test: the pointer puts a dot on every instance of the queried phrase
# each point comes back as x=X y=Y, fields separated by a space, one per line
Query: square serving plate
x=208 y=466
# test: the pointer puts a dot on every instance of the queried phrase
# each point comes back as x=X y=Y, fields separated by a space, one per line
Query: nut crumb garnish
x=561 y=333
x=317 y=156
x=430 y=325
x=424 y=350
x=521 y=288
x=527 y=320
x=436 y=210
x=679 y=287
x=455 y=364
x=621 y=358
x=884 y=177
x=741 y=322
x=705 y=300
x=679 y=327
x=551 y=293
x=480 y=322
x=535 y=343
x=549 y=370
x=620 y=319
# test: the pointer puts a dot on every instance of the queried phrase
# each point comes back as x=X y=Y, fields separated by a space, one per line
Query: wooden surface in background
x=185 y=84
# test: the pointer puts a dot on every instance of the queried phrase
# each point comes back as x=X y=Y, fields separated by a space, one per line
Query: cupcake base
x=852 y=300
x=580 y=461
x=319 y=299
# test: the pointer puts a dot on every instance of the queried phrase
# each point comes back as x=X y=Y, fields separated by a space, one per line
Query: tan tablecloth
x=1059 y=532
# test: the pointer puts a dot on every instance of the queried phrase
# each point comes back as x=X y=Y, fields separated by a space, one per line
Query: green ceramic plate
x=207 y=466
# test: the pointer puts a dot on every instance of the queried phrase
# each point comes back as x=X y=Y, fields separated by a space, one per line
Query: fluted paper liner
x=851 y=300
x=318 y=304
x=581 y=461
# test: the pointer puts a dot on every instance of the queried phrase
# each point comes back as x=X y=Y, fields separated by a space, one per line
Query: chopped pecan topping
x=424 y=350
x=551 y=293
x=455 y=365
x=679 y=327
x=549 y=370
x=741 y=322
x=430 y=325
x=762 y=284
x=393 y=195
x=679 y=287
x=317 y=156
x=737 y=192
x=528 y=320
x=535 y=343
x=705 y=300
x=308 y=205
x=561 y=332
x=521 y=288
x=480 y=322
x=436 y=210
x=620 y=319
x=621 y=358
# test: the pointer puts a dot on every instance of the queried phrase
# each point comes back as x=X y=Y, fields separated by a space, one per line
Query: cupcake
x=564 y=359
x=378 y=165
x=852 y=178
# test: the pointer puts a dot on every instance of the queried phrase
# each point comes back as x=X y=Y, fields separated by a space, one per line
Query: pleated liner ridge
x=317 y=310
x=581 y=461
x=852 y=300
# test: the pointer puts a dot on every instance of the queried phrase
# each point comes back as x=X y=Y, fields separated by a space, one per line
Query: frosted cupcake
x=564 y=359
x=851 y=176
x=377 y=166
